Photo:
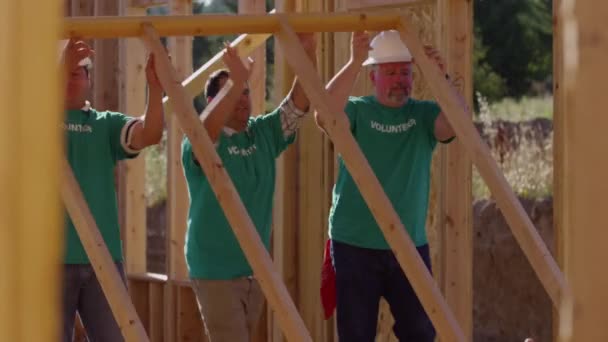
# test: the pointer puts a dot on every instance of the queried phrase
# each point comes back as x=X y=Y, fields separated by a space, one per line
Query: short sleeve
x=428 y=111
x=269 y=127
x=351 y=112
x=120 y=131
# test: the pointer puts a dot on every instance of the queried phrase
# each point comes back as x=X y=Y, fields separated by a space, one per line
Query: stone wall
x=510 y=304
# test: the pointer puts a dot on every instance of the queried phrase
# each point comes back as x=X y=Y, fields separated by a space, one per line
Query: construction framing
x=284 y=27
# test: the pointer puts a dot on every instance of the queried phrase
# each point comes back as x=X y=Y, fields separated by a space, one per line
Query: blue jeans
x=82 y=293
x=363 y=276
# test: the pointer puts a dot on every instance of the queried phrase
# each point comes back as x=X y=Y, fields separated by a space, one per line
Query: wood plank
x=156 y=313
x=524 y=231
x=585 y=165
x=367 y=4
x=257 y=80
x=101 y=261
x=139 y=292
x=456 y=18
x=379 y=204
x=32 y=231
x=132 y=180
x=105 y=62
x=220 y=182
x=560 y=193
x=312 y=198
x=177 y=191
x=189 y=322
x=220 y=24
x=144 y=4
x=284 y=234
x=257 y=87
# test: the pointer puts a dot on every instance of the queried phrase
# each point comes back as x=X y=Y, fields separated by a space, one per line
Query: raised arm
x=222 y=106
x=296 y=104
x=150 y=130
x=341 y=85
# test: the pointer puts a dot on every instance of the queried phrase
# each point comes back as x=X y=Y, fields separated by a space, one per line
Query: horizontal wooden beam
x=366 y=4
x=148 y=3
x=149 y=277
x=216 y=24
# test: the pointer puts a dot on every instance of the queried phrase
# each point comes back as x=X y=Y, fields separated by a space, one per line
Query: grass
x=529 y=168
x=525 y=108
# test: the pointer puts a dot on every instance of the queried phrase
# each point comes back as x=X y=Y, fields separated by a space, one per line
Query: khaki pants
x=231 y=309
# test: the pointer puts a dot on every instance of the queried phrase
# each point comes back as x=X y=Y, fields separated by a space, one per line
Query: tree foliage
x=513 y=46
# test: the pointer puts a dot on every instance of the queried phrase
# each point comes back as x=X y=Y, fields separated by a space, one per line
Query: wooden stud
x=105 y=62
x=31 y=225
x=456 y=219
x=139 y=293
x=105 y=269
x=560 y=193
x=132 y=180
x=524 y=231
x=257 y=88
x=189 y=322
x=237 y=216
x=155 y=309
x=313 y=198
x=379 y=204
x=177 y=191
x=257 y=80
x=284 y=220
x=584 y=48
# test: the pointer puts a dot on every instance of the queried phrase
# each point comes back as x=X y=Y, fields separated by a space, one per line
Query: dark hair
x=212 y=87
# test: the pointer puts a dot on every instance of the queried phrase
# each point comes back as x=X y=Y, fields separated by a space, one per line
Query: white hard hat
x=387 y=47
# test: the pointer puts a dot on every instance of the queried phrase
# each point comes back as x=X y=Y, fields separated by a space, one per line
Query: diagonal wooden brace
x=227 y=196
x=105 y=268
x=524 y=231
x=337 y=127
x=245 y=44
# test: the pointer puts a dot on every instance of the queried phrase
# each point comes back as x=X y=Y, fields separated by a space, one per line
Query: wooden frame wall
x=582 y=164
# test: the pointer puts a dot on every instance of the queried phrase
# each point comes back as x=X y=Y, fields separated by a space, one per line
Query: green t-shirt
x=398 y=144
x=212 y=251
x=94 y=142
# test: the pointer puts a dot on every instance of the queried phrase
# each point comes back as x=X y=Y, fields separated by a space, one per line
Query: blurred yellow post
x=31 y=236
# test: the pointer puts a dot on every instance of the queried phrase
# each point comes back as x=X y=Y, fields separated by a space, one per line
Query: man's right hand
x=75 y=51
x=359 y=47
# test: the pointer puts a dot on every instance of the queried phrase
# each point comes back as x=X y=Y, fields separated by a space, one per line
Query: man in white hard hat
x=95 y=141
x=397 y=134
